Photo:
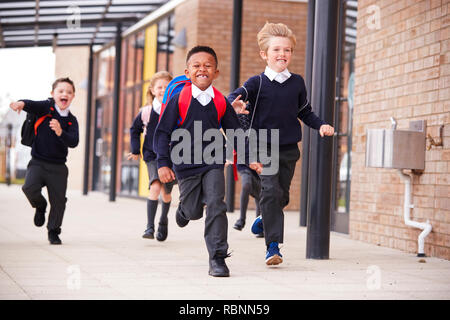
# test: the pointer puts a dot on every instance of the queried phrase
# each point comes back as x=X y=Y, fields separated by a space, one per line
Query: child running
x=145 y=122
x=201 y=182
x=57 y=131
x=282 y=100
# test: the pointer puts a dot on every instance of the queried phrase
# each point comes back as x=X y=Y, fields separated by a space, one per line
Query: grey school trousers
x=207 y=188
x=275 y=195
x=54 y=177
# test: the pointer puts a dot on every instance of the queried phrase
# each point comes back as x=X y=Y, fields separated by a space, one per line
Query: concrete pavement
x=104 y=257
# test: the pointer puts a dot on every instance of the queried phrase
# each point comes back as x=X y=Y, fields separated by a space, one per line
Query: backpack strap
x=41 y=119
x=145 y=117
x=184 y=101
x=185 y=98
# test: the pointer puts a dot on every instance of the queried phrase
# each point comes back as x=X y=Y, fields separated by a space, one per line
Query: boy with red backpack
x=196 y=109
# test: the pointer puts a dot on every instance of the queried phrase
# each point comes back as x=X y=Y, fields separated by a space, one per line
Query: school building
x=390 y=64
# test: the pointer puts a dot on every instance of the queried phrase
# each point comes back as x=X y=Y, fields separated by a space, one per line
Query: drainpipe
x=426 y=227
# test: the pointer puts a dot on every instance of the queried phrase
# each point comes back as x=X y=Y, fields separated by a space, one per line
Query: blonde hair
x=157 y=76
x=271 y=30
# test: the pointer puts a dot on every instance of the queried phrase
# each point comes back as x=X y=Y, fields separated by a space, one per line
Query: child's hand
x=258 y=167
x=166 y=174
x=134 y=157
x=55 y=126
x=326 y=130
x=17 y=106
x=239 y=106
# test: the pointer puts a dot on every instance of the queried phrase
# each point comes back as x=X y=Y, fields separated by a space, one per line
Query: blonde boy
x=281 y=100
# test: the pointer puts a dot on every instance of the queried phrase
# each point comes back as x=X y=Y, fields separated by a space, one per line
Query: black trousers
x=251 y=186
x=53 y=176
x=207 y=188
x=275 y=195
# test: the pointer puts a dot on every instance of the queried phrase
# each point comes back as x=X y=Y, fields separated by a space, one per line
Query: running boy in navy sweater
x=201 y=182
x=281 y=100
x=57 y=132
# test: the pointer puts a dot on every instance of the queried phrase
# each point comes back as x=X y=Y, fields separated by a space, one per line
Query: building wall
x=402 y=71
x=73 y=62
x=209 y=22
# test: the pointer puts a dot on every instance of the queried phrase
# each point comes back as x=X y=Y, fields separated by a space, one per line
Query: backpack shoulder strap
x=220 y=103
x=184 y=101
x=41 y=119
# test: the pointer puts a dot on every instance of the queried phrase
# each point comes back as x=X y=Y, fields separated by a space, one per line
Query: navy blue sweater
x=135 y=136
x=208 y=117
x=47 y=146
x=280 y=105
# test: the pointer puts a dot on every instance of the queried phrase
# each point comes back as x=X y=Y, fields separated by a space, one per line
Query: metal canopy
x=65 y=22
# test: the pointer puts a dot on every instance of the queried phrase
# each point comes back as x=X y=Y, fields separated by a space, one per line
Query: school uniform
x=49 y=154
x=200 y=183
x=282 y=102
x=149 y=157
x=250 y=186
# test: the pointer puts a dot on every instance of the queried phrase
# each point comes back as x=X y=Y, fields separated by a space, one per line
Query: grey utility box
x=397 y=149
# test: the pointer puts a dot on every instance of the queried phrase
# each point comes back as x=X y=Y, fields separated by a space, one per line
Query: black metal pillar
x=323 y=98
x=234 y=83
x=87 y=143
x=304 y=196
x=115 y=122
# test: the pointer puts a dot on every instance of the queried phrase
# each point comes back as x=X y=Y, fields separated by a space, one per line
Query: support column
x=115 y=122
x=323 y=101
x=87 y=144
x=304 y=195
x=234 y=83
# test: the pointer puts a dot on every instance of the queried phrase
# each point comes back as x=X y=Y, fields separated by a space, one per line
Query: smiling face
x=279 y=53
x=202 y=69
x=158 y=89
x=63 y=95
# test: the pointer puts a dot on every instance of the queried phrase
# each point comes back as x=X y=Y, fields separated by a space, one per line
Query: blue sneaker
x=257 y=226
x=273 y=255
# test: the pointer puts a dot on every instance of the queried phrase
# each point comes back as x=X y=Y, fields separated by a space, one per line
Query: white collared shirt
x=204 y=97
x=156 y=105
x=279 y=77
x=62 y=113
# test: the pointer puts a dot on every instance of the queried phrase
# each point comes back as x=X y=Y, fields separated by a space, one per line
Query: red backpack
x=183 y=85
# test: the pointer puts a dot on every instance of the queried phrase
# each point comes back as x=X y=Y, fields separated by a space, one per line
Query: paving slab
x=103 y=256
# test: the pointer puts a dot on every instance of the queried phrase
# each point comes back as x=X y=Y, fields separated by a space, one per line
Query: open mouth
x=202 y=76
x=64 y=101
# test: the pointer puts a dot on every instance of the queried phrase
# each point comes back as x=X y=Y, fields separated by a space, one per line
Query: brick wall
x=402 y=70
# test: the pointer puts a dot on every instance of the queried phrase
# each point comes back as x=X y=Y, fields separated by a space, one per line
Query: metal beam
x=87 y=144
x=304 y=194
x=115 y=123
x=234 y=83
x=323 y=101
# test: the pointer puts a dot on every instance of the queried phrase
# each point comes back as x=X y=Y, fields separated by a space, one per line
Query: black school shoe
x=218 y=267
x=53 y=237
x=149 y=233
x=239 y=225
x=181 y=221
x=39 y=217
x=161 y=235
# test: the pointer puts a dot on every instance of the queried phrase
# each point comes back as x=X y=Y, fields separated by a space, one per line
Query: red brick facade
x=402 y=71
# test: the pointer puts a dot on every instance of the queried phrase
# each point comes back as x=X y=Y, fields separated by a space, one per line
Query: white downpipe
x=426 y=227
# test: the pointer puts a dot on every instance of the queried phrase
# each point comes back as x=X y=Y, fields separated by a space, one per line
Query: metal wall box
x=395 y=149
